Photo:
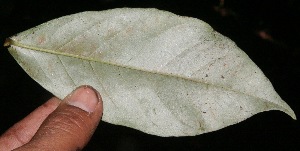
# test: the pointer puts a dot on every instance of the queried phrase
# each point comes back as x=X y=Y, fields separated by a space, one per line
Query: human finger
x=72 y=124
x=21 y=132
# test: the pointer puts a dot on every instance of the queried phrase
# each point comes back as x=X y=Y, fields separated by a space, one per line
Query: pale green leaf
x=157 y=72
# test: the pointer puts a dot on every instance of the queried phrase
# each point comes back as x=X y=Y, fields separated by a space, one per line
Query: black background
x=245 y=22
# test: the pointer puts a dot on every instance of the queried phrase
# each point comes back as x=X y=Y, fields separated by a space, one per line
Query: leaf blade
x=142 y=70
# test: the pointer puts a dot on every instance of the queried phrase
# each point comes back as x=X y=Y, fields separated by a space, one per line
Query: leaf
x=157 y=72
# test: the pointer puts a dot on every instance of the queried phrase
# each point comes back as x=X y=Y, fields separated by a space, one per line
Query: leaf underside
x=157 y=72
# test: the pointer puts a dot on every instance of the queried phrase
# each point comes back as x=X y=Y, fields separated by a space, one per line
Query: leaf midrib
x=11 y=42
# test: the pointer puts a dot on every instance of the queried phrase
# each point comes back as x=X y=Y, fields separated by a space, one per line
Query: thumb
x=72 y=124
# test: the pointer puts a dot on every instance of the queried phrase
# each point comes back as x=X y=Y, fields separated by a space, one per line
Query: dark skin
x=62 y=125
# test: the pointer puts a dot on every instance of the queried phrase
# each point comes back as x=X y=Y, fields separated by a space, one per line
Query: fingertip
x=52 y=103
x=84 y=97
x=73 y=123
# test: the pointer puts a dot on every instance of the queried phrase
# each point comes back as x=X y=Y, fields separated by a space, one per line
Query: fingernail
x=85 y=98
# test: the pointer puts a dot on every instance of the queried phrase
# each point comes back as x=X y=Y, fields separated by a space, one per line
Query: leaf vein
x=104 y=90
x=64 y=67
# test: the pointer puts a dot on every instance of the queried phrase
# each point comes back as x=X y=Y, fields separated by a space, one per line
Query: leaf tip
x=291 y=113
x=294 y=116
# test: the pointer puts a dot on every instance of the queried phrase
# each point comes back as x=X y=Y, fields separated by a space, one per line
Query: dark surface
x=267 y=31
